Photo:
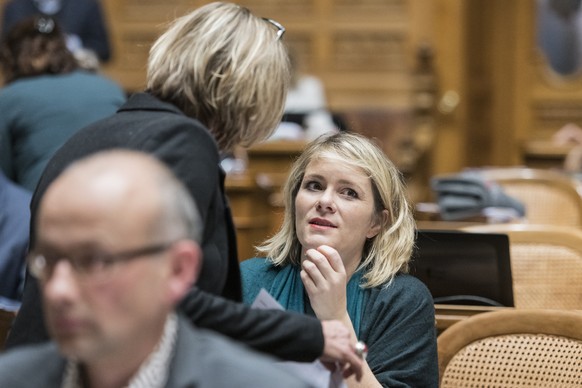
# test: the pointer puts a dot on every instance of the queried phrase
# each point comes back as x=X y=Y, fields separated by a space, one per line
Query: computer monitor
x=464 y=268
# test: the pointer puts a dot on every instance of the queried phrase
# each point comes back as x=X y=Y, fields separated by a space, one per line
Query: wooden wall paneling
x=133 y=26
x=547 y=100
x=449 y=153
x=268 y=167
x=273 y=9
x=251 y=213
x=360 y=49
x=526 y=54
x=367 y=40
x=491 y=138
x=506 y=144
x=479 y=86
x=368 y=64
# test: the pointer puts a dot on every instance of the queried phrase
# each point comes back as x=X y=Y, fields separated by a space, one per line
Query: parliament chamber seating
x=549 y=196
x=513 y=348
x=546 y=264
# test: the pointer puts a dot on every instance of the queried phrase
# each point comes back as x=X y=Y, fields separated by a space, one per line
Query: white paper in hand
x=315 y=373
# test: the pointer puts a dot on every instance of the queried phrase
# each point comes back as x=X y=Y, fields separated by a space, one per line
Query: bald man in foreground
x=117 y=248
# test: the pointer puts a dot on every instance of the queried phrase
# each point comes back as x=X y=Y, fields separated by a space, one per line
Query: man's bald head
x=124 y=182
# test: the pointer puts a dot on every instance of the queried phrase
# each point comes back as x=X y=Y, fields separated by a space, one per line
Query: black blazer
x=147 y=124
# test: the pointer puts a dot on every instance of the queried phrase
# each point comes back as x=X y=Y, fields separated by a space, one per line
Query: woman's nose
x=326 y=202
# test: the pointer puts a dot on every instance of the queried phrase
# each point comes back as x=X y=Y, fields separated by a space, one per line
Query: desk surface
x=447 y=315
x=545 y=154
x=546 y=149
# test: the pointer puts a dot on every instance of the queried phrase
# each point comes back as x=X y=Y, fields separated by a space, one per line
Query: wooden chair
x=546 y=264
x=513 y=348
x=549 y=196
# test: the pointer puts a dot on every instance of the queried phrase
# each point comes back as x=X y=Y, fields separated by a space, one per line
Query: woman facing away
x=47 y=98
x=342 y=253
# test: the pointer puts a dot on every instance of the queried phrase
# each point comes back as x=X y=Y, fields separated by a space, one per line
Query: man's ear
x=185 y=266
x=379 y=220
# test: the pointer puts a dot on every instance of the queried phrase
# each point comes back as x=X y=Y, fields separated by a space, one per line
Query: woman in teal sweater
x=343 y=252
x=46 y=98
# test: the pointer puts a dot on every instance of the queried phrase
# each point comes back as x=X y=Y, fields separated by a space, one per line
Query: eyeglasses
x=96 y=266
x=279 y=26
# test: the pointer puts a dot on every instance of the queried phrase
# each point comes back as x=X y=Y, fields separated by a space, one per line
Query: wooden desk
x=545 y=154
x=273 y=156
x=427 y=217
x=250 y=211
x=255 y=195
x=447 y=315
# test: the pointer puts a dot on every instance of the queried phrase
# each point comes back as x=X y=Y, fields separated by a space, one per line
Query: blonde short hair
x=390 y=250
x=224 y=66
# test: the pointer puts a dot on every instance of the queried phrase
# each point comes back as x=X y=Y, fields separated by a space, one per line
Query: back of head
x=35 y=46
x=225 y=67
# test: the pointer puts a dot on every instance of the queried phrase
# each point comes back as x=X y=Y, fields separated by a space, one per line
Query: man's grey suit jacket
x=202 y=359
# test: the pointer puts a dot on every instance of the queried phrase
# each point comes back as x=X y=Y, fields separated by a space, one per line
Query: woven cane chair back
x=550 y=197
x=513 y=348
x=546 y=264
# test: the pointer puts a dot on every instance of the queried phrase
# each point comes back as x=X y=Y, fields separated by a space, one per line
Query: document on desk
x=315 y=373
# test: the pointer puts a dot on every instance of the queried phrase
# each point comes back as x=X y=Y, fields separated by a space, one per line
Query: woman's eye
x=312 y=185
x=351 y=193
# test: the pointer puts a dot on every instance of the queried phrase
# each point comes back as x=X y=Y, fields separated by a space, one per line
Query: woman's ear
x=379 y=221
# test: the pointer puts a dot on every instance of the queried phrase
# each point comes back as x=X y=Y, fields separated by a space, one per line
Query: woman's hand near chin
x=325 y=280
x=324 y=277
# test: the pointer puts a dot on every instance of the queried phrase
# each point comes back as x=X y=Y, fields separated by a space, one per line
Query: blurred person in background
x=46 y=98
x=306 y=115
x=82 y=21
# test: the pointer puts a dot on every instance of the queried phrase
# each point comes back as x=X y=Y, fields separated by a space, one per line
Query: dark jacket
x=147 y=124
x=14 y=218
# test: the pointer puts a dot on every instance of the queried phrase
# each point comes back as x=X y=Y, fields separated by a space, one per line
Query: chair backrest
x=550 y=197
x=546 y=264
x=513 y=348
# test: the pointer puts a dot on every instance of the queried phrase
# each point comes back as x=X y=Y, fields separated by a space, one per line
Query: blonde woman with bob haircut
x=225 y=67
x=342 y=253
x=216 y=78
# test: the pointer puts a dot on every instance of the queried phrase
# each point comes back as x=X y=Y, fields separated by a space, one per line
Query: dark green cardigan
x=398 y=325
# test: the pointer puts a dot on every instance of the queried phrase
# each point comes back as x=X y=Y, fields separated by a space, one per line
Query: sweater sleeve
x=287 y=335
x=399 y=329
